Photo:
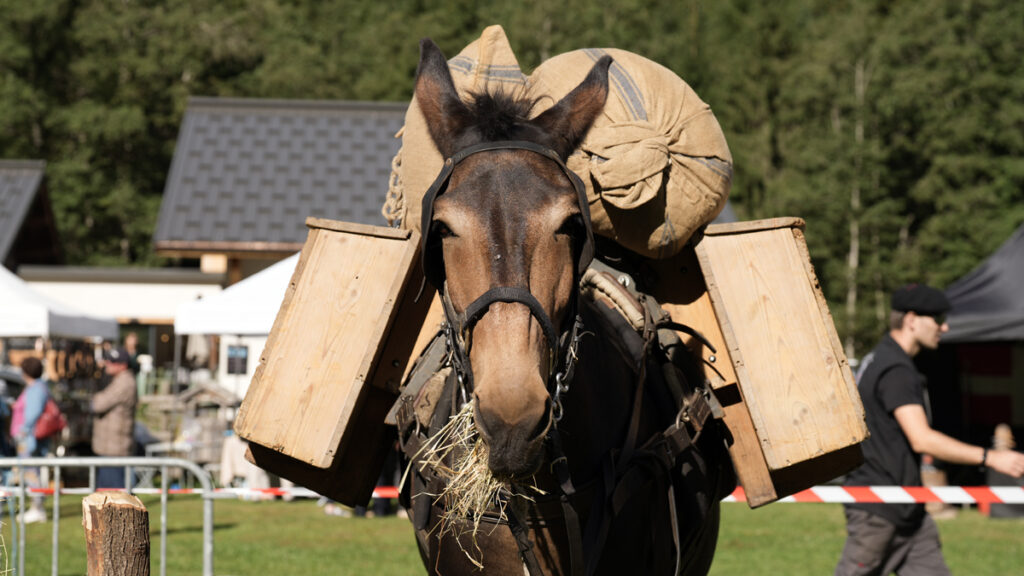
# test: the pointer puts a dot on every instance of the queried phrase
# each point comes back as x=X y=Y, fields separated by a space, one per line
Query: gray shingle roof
x=19 y=183
x=246 y=173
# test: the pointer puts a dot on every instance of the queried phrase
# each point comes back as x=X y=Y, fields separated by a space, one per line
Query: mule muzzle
x=516 y=450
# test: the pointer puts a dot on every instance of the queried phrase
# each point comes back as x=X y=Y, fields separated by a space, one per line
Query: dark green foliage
x=901 y=122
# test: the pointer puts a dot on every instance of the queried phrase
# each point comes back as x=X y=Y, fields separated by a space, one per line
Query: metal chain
x=564 y=378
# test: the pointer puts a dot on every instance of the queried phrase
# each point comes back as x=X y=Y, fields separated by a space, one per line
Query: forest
x=894 y=128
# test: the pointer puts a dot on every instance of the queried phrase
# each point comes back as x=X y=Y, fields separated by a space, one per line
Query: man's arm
x=926 y=440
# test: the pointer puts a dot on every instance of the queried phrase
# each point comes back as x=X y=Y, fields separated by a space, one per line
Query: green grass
x=286 y=538
x=250 y=538
x=798 y=539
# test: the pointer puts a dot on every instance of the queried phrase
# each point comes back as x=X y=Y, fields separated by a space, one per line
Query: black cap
x=116 y=356
x=920 y=299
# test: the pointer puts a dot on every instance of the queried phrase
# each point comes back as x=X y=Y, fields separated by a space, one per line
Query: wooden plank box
x=789 y=396
x=335 y=358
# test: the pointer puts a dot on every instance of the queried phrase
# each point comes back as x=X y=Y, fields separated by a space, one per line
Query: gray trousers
x=875 y=548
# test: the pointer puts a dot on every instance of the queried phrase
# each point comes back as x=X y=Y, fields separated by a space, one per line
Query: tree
x=895 y=129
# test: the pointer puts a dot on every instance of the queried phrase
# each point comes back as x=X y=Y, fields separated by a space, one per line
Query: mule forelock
x=501 y=116
x=454 y=125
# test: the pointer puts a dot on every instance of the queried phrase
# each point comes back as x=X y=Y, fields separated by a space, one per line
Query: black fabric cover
x=988 y=303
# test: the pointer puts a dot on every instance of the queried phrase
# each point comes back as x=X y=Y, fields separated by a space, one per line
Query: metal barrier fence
x=130 y=464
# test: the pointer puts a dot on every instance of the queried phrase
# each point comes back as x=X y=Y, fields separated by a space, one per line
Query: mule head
x=508 y=218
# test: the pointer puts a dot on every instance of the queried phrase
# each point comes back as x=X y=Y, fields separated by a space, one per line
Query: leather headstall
x=561 y=348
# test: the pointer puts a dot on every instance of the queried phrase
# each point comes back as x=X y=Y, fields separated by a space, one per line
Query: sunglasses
x=940 y=319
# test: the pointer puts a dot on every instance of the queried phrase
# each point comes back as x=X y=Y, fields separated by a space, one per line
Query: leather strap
x=515 y=294
x=560 y=467
x=519 y=531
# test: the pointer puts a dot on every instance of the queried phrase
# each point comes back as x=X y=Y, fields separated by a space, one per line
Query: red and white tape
x=820 y=494
x=901 y=495
x=296 y=492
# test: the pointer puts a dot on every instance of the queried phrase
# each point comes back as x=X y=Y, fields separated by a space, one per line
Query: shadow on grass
x=197 y=528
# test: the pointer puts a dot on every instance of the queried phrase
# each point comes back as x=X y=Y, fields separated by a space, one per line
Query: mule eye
x=572 y=227
x=439 y=229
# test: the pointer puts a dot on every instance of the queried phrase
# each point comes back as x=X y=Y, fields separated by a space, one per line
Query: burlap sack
x=655 y=163
x=488 y=64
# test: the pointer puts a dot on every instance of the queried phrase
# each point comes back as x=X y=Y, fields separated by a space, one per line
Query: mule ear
x=445 y=113
x=568 y=121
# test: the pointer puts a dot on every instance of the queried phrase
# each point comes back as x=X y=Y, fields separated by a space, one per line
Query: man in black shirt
x=902 y=538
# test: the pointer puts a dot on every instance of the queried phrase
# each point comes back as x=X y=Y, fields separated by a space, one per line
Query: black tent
x=988 y=303
x=973 y=377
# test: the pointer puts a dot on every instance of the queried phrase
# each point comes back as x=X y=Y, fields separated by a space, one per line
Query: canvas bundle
x=655 y=163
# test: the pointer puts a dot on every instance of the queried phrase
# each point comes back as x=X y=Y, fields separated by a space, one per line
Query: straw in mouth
x=458 y=455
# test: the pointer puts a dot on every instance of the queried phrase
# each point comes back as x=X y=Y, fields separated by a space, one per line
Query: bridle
x=561 y=347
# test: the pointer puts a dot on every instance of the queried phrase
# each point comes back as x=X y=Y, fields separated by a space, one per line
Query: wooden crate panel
x=793 y=374
x=326 y=340
x=682 y=292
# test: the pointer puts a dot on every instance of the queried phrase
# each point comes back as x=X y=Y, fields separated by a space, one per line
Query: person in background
x=6 y=445
x=114 y=417
x=903 y=538
x=131 y=345
x=26 y=412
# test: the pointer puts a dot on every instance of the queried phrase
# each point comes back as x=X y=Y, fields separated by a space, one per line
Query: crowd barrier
x=18 y=465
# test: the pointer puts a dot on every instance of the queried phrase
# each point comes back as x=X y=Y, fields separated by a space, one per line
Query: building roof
x=246 y=173
x=20 y=181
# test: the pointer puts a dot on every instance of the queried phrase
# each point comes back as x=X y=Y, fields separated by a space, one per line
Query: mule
x=566 y=395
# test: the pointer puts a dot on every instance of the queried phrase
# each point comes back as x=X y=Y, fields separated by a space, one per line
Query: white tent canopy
x=246 y=308
x=24 y=312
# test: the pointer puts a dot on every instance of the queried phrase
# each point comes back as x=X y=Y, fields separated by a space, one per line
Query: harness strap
x=519 y=531
x=629 y=446
x=515 y=294
x=560 y=466
x=600 y=516
x=424 y=500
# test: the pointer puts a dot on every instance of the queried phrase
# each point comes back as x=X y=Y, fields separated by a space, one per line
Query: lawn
x=285 y=538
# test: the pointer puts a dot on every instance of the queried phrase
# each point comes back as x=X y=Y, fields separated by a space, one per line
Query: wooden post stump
x=116 y=534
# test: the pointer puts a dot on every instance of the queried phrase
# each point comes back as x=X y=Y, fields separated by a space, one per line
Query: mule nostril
x=541 y=428
x=484 y=420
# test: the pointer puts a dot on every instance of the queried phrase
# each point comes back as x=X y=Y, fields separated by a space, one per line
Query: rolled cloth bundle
x=486 y=65
x=655 y=163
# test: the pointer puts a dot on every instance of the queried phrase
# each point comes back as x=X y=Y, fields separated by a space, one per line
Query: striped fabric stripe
x=723 y=169
x=497 y=72
x=623 y=84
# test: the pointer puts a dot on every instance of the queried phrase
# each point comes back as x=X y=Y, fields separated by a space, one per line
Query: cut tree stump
x=116 y=534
